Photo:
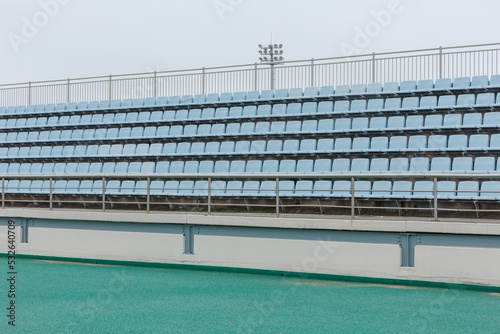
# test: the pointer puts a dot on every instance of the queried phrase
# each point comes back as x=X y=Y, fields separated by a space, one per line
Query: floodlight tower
x=271 y=54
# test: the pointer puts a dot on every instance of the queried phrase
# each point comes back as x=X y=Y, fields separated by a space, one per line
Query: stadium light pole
x=272 y=55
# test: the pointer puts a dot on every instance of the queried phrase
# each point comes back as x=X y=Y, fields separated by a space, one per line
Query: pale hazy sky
x=54 y=39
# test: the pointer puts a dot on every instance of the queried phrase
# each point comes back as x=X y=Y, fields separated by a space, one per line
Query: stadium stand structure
x=414 y=148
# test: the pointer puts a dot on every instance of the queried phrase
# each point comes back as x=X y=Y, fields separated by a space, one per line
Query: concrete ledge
x=303 y=222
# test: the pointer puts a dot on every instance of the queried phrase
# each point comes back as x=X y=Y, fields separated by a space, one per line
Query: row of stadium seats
x=450 y=190
x=304 y=166
x=390 y=87
x=339 y=124
x=359 y=145
x=308 y=108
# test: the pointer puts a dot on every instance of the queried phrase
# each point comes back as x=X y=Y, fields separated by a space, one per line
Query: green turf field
x=55 y=297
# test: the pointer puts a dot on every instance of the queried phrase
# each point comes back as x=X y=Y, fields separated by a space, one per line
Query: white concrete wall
x=165 y=244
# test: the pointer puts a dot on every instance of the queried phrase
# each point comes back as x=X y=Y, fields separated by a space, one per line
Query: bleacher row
x=433 y=127
x=434 y=165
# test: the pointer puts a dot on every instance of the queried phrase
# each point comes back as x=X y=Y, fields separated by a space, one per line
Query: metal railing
x=348 y=199
x=442 y=62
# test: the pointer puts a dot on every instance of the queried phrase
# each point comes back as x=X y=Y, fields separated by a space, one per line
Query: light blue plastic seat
x=466 y=100
x=486 y=99
x=374 y=88
x=171 y=188
x=135 y=167
x=239 y=96
x=251 y=188
x=433 y=121
x=194 y=114
x=305 y=166
x=340 y=166
x=463 y=165
x=419 y=165
x=254 y=166
x=242 y=147
x=378 y=123
x=408 y=86
x=452 y=120
x=396 y=122
x=227 y=147
x=358 y=89
x=326 y=90
x=278 y=127
x=176 y=167
x=287 y=166
x=457 y=142
x=183 y=148
x=342 y=106
x=274 y=146
x=390 y=87
x=191 y=130
x=376 y=104
x=443 y=84
x=423 y=190
x=191 y=167
x=360 y=165
x=214 y=97
x=181 y=114
x=206 y=167
x=360 y=123
x=309 y=108
x=362 y=189
x=326 y=125
x=402 y=189
x=237 y=167
x=490 y=190
x=360 y=144
x=169 y=149
x=342 y=90
x=294 y=109
x=341 y=189
x=381 y=189
x=414 y=122
x=379 y=144
x=221 y=167
x=398 y=143
x=393 y=103
x=447 y=101
x=234 y=188
x=186 y=188
x=219 y=113
x=311 y=91
x=109 y=168
x=309 y=126
x=325 y=107
x=463 y=82
x=446 y=189
x=198 y=148
x=437 y=142
x=292 y=127
x=441 y=165
x=468 y=190
x=358 y=105
x=308 y=145
x=410 y=102
x=156 y=188
x=304 y=188
x=322 y=188
x=479 y=142
x=95 y=168
x=234 y=128
x=379 y=165
x=247 y=128
x=343 y=145
x=322 y=166
x=226 y=97
x=267 y=94
x=237 y=111
x=417 y=143
x=252 y=95
x=270 y=166
x=268 y=188
x=212 y=148
x=291 y=145
x=484 y=165
x=480 y=81
x=342 y=124
x=286 y=188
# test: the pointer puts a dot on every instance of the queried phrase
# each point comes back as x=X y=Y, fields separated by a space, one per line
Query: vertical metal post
x=148 y=195
x=29 y=93
x=440 y=62
x=103 y=194
x=255 y=77
x=155 y=85
x=435 y=209
x=3 y=193
x=352 y=198
x=203 y=90
x=68 y=97
x=50 y=193
x=373 y=68
x=110 y=87
x=277 y=197
x=209 y=196
x=312 y=72
x=272 y=77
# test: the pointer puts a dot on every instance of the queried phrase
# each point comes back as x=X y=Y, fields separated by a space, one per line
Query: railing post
x=256 y=86
x=68 y=97
x=352 y=199
x=148 y=194
x=277 y=197
x=29 y=93
x=103 y=194
x=374 y=73
x=203 y=90
x=209 y=196
x=440 y=62
x=3 y=193
x=312 y=72
x=110 y=93
x=435 y=207
x=155 y=85
x=50 y=193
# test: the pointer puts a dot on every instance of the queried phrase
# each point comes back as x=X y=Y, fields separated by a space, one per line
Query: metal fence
x=347 y=198
x=443 y=62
